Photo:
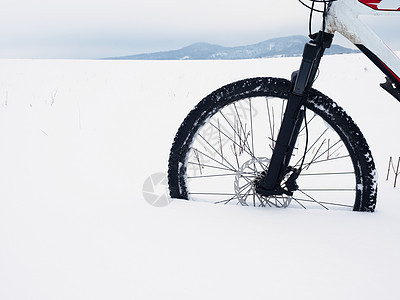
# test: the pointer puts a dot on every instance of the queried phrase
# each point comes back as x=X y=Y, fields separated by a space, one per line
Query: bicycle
x=279 y=143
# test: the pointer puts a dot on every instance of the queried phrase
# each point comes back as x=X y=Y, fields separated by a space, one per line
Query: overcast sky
x=107 y=28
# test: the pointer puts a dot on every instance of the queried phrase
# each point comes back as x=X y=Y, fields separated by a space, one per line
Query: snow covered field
x=78 y=139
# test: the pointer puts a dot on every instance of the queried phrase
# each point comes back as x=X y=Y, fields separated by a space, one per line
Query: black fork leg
x=294 y=115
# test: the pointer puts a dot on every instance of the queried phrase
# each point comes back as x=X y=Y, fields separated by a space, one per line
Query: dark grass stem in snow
x=396 y=171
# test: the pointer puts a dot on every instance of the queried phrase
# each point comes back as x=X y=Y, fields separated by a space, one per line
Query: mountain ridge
x=277 y=47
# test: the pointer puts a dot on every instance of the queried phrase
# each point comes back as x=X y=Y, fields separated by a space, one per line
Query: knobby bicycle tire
x=218 y=155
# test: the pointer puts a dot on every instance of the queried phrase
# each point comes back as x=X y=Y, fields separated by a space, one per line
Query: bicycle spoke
x=329 y=190
x=212 y=159
x=251 y=153
x=251 y=126
x=311 y=147
x=237 y=134
x=313 y=200
x=271 y=125
x=331 y=159
x=326 y=173
x=299 y=200
x=210 y=176
x=209 y=166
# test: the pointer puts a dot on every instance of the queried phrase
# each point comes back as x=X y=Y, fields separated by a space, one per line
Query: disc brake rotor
x=246 y=179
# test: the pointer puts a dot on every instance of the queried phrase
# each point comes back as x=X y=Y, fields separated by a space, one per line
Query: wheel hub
x=246 y=183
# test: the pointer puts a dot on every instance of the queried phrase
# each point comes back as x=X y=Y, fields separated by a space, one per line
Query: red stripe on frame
x=390 y=71
x=374 y=5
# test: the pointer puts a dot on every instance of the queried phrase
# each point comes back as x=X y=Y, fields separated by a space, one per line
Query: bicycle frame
x=341 y=16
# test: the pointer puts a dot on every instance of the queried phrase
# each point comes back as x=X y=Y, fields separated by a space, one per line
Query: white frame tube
x=343 y=18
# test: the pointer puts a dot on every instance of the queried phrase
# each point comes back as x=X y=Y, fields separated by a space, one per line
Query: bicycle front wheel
x=223 y=148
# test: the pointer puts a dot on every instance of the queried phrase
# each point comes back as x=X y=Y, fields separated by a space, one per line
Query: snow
x=80 y=138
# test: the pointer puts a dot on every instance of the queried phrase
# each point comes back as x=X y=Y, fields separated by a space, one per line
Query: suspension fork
x=302 y=81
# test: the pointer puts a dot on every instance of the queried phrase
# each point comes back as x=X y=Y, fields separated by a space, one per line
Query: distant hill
x=277 y=47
